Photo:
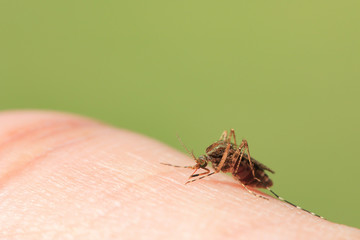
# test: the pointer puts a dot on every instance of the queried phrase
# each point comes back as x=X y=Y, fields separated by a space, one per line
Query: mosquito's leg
x=236 y=160
x=193 y=180
x=239 y=152
x=218 y=168
x=199 y=174
x=246 y=146
x=223 y=136
x=253 y=192
x=223 y=159
x=241 y=157
x=194 y=172
x=282 y=199
x=168 y=164
x=232 y=133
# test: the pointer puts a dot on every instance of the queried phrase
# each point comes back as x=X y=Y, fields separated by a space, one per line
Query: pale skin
x=68 y=177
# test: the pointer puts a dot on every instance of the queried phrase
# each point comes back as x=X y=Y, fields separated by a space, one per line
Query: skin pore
x=68 y=177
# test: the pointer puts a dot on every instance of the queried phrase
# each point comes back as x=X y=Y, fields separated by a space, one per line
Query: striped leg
x=224 y=136
x=282 y=199
x=256 y=195
x=232 y=133
x=241 y=149
x=168 y=164
x=199 y=174
x=196 y=167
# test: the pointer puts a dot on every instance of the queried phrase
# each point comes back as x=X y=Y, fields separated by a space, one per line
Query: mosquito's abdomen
x=244 y=175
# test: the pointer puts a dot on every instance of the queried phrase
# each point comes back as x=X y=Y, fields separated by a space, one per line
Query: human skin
x=67 y=177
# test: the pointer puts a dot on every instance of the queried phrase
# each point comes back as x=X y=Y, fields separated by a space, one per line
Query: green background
x=284 y=74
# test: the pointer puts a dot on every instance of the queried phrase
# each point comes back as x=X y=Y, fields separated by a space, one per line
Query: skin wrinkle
x=30 y=133
x=25 y=166
x=135 y=156
x=58 y=148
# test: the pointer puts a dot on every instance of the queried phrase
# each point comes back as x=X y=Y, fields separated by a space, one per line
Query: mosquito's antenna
x=187 y=150
x=284 y=200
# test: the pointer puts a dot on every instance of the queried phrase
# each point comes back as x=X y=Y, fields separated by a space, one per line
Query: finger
x=67 y=177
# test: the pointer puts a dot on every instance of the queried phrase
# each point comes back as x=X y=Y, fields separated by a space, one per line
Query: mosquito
x=228 y=157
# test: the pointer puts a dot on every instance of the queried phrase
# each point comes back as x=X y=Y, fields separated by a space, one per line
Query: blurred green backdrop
x=284 y=74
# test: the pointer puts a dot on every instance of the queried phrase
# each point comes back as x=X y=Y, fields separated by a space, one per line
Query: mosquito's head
x=202 y=161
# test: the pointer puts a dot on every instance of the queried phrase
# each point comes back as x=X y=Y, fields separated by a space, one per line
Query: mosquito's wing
x=262 y=166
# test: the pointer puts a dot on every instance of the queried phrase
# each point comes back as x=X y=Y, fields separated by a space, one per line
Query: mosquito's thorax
x=217 y=149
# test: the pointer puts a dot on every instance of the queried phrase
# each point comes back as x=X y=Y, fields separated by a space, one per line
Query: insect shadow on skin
x=228 y=157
